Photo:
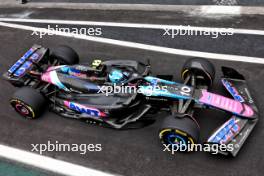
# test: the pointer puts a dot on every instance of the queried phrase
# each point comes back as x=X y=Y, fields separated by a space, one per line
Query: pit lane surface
x=130 y=152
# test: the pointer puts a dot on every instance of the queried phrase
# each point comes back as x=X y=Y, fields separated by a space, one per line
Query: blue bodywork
x=22 y=65
x=161 y=88
x=226 y=133
x=233 y=91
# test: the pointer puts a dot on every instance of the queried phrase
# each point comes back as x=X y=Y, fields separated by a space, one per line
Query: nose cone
x=248 y=112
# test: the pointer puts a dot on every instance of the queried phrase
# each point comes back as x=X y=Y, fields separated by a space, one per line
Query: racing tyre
x=181 y=131
x=65 y=55
x=203 y=70
x=28 y=102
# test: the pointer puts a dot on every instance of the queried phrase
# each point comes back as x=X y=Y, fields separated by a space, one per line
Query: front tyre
x=179 y=131
x=202 y=69
x=28 y=102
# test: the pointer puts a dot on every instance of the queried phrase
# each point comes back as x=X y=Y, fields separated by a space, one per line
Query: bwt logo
x=83 y=109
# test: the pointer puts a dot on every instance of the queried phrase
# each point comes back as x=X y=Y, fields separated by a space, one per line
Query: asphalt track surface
x=132 y=152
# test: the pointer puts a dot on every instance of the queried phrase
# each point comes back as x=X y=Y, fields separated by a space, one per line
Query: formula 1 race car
x=76 y=91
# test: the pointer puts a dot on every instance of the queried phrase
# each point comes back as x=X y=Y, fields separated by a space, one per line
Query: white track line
x=182 y=52
x=134 y=25
x=47 y=163
x=197 y=9
x=226 y=10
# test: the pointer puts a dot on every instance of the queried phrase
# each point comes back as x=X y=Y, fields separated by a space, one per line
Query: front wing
x=235 y=130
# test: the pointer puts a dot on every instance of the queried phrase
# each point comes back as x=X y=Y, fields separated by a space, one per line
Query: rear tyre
x=180 y=131
x=65 y=55
x=28 y=102
x=203 y=70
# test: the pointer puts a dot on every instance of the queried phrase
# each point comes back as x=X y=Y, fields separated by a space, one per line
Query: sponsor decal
x=84 y=109
x=21 y=66
x=226 y=133
x=233 y=91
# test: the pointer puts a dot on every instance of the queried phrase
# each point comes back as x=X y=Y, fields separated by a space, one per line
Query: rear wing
x=26 y=63
x=236 y=130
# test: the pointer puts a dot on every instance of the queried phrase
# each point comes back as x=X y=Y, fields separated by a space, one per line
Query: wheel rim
x=175 y=137
x=207 y=75
x=172 y=137
x=23 y=109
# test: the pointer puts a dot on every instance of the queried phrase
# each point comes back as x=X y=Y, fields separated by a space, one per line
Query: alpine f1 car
x=73 y=91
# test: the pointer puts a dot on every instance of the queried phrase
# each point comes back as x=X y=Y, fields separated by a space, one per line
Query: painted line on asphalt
x=135 y=25
x=198 y=9
x=230 y=10
x=47 y=163
x=121 y=43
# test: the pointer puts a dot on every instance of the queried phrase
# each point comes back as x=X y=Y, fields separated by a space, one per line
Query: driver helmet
x=117 y=76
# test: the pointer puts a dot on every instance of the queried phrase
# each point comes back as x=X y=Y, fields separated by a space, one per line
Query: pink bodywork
x=46 y=77
x=225 y=103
